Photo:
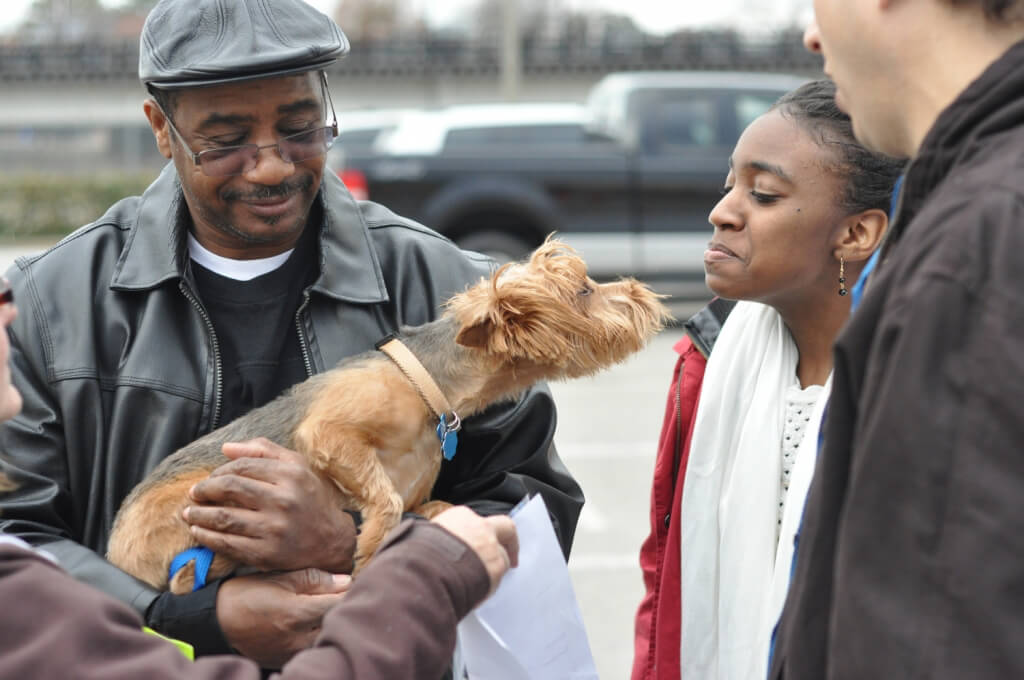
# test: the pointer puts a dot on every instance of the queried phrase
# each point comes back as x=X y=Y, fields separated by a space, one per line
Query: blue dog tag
x=449 y=437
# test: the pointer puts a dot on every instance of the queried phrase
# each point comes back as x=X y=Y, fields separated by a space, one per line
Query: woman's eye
x=763 y=199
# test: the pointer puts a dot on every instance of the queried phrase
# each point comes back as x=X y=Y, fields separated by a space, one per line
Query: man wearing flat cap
x=240 y=271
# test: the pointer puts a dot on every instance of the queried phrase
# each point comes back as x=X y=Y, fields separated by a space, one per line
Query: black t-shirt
x=256 y=329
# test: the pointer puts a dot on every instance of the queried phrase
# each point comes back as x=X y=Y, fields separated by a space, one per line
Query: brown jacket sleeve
x=397 y=621
x=400 y=620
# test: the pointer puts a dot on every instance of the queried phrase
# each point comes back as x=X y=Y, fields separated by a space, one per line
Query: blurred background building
x=72 y=102
x=71 y=120
x=71 y=115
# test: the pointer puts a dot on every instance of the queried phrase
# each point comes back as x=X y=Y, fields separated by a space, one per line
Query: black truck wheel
x=501 y=246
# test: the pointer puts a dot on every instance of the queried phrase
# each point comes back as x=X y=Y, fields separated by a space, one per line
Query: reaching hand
x=10 y=398
x=271 y=617
x=493 y=539
x=268 y=509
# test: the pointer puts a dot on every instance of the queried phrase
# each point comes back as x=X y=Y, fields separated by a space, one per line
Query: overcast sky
x=655 y=16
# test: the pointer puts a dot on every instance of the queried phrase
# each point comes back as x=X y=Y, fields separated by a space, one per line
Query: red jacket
x=656 y=639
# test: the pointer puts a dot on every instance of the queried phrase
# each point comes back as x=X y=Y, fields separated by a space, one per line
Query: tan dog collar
x=429 y=391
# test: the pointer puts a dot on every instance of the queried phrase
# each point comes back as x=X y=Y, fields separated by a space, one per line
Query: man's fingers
x=230 y=489
x=269 y=617
x=505 y=531
x=261 y=447
x=316 y=582
x=240 y=548
x=322 y=603
x=264 y=469
x=236 y=521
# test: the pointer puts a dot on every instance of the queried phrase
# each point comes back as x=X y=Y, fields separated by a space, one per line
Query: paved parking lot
x=607 y=433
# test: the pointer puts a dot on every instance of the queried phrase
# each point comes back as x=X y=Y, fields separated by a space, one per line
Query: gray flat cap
x=196 y=43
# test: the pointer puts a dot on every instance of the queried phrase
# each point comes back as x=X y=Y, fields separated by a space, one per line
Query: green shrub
x=53 y=205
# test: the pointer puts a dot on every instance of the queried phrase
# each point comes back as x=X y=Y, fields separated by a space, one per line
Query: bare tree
x=82 y=21
x=368 y=20
x=487 y=16
x=63 y=21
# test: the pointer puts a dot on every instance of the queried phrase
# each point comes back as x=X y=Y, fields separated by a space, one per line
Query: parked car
x=357 y=131
x=628 y=178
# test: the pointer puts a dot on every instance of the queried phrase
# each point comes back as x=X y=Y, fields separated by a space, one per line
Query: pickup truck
x=628 y=177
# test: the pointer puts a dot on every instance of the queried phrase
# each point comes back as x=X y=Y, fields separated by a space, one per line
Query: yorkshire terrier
x=378 y=425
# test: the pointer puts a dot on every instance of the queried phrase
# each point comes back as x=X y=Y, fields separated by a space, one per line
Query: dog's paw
x=184 y=580
x=432 y=509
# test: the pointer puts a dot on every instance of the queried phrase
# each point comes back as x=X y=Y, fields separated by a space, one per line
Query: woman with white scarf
x=803 y=208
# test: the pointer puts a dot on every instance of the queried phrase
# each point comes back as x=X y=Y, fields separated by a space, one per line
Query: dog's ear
x=475 y=335
x=474 y=310
x=512 y=316
x=486 y=325
x=477 y=311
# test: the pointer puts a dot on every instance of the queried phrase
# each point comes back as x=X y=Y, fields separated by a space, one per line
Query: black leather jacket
x=118 y=365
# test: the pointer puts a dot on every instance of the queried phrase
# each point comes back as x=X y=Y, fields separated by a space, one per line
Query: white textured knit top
x=799 y=403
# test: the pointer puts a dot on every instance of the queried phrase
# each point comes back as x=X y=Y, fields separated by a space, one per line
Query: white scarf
x=734 y=573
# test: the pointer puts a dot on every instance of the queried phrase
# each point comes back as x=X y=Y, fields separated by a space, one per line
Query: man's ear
x=161 y=129
x=862 y=234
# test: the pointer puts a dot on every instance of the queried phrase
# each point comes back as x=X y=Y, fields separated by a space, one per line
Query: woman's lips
x=716 y=252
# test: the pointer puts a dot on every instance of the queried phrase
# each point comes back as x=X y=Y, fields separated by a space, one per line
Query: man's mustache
x=263 y=193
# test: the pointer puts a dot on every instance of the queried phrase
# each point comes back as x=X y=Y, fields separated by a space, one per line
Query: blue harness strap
x=202 y=556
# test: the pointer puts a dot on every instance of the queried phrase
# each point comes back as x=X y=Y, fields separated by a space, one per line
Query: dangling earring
x=842 y=276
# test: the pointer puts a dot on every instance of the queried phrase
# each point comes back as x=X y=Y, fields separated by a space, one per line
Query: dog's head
x=547 y=311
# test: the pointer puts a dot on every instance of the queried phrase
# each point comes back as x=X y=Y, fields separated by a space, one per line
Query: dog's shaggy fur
x=366 y=427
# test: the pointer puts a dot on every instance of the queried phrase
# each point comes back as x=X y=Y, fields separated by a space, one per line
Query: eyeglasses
x=225 y=161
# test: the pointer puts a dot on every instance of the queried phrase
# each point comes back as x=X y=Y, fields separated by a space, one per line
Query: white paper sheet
x=531 y=627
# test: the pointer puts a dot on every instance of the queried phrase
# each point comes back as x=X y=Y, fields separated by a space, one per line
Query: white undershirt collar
x=239 y=270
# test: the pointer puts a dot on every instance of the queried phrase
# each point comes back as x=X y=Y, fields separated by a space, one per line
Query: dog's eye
x=586 y=290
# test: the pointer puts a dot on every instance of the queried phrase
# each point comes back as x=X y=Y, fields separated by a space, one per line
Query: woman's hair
x=869 y=176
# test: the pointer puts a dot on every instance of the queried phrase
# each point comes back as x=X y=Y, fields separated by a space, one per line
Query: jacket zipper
x=678 y=447
x=303 y=343
x=217 y=371
x=652 y=652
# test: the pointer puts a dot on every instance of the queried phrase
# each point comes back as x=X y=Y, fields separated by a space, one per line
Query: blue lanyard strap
x=857 y=292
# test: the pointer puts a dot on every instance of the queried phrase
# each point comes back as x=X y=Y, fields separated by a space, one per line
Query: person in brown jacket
x=910 y=562
x=398 y=620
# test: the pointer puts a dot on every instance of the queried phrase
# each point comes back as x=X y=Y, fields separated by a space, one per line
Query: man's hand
x=271 y=617
x=269 y=510
x=493 y=539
